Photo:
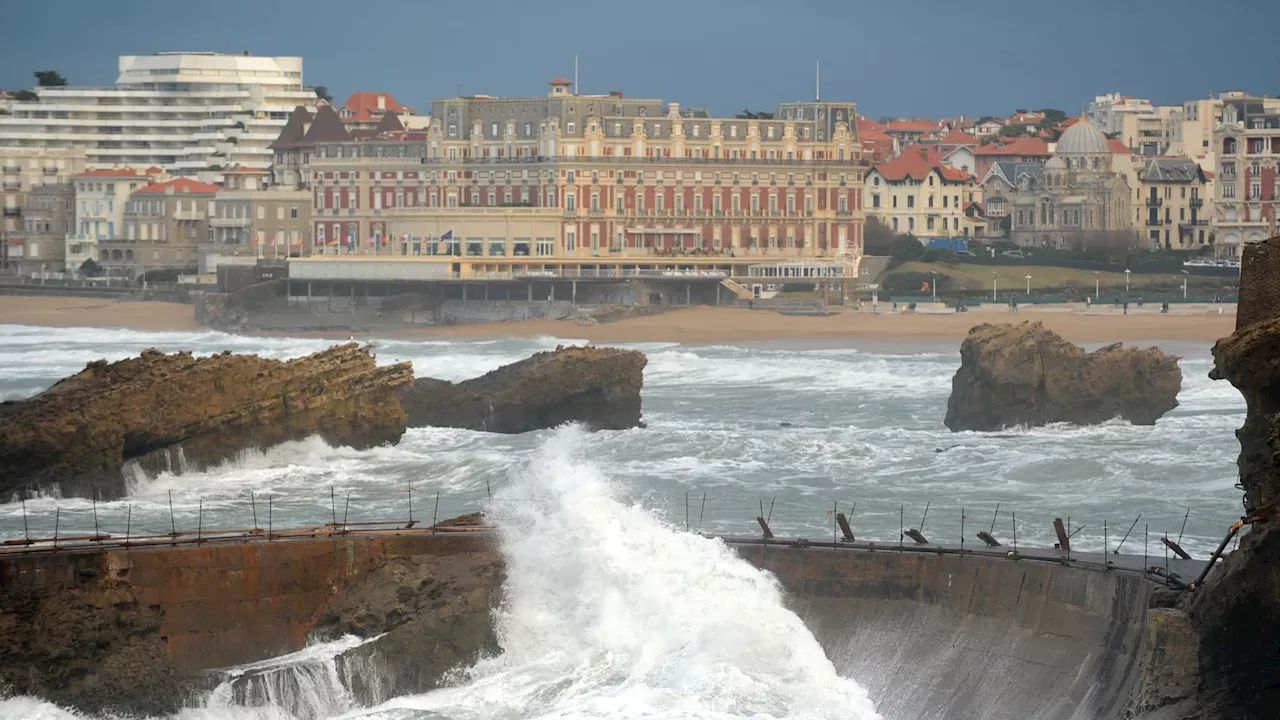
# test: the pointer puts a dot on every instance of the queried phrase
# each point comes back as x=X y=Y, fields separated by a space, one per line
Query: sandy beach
x=699 y=325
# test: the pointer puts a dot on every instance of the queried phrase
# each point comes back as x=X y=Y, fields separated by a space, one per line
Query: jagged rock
x=1237 y=612
x=82 y=431
x=1026 y=374
x=599 y=387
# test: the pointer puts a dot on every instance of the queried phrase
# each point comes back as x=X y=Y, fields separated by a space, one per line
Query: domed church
x=1074 y=194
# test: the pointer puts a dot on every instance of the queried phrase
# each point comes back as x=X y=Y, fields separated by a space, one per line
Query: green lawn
x=978 y=277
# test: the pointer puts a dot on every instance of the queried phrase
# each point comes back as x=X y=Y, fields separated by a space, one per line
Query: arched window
x=1229 y=146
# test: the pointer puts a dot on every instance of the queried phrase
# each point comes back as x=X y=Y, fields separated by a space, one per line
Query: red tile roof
x=109 y=172
x=180 y=185
x=153 y=170
x=560 y=81
x=865 y=123
x=363 y=106
x=958 y=137
x=1020 y=146
x=1068 y=122
x=910 y=126
x=1118 y=147
x=917 y=163
x=1208 y=175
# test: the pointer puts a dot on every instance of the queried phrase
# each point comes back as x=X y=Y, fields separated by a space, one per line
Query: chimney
x=382 y=102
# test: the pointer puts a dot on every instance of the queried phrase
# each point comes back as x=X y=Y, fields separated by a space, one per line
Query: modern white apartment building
x=189 y=113
x=1107 y=112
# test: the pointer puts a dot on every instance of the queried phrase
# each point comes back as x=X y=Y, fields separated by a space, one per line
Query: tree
x=756 y=115
x=905 y=248
x=1053 y=114
x=89 y=268
x=885 y=119
x=25 y=96
x=985 y=118
x=322 y=92
x=49 y=78
x=877 y=238
x=1013 y=131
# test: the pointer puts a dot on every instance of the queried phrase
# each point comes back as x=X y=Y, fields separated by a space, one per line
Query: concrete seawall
x=930 y=635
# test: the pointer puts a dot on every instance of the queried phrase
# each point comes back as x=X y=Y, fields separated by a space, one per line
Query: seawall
x=930 y=634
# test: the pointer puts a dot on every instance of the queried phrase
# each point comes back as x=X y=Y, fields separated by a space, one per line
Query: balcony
x=228 y=222
x=12 y=186
x=1154 y=222
x=189 y=215
x=12 y=169
x=13 y=212
x=1196 y=202
x=51 y=171
x=1154 y=202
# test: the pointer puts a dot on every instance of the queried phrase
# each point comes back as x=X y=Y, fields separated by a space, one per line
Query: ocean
x=787 y=430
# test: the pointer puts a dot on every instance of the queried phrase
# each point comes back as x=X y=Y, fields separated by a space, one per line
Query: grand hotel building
x=584 y=185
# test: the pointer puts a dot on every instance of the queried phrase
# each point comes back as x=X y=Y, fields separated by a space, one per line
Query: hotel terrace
x=584 y=186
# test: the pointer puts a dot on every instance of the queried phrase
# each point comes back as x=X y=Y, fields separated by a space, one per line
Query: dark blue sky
x=892 y=57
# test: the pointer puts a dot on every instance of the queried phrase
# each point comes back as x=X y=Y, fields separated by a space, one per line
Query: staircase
x=743 y=293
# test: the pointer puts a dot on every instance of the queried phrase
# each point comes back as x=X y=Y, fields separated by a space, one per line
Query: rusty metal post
x=254 y=503
x=410 y=502
x=270 y=527
x=835 y=512
x=1166 y=559
x=25 y=532
x=994 y=516
x=1015 y=534
x=1064 y=541
x=1126 y=537
x=488 y=491
x=901 y=527
x=199 y=520
x=1106 y=543
x=1184 y=526
x=435 y=517
x=772 y=500
x=96 y=535
x=333 y=507
x=702 y=511
x=128 y=524
x=57 y=517
x=345 y=509
x=961 y=531
x=686 y=511
x=1146 y=530
x=173 y=524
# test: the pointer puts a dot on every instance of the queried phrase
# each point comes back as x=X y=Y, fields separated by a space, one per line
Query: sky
x=901 y=58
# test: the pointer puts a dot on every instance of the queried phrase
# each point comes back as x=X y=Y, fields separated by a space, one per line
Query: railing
x=12 y=186
x=11 y=169
x=193 y=215
x=851 y=523
x=228 y=222
x=1154 y=202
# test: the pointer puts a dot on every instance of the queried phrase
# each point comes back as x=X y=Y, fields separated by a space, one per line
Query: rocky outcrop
x=598 y=387
x=156 y=409
x=1026 y=374
x=1237 y=611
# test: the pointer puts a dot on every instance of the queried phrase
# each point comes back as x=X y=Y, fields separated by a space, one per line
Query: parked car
x=1017 y=254
x=965 y=253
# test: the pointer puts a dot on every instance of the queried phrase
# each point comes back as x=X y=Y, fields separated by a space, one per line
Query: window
x=493 y=129
x=895 y=224
x=571 y=177
x=895 y=201
x=1228 y=190
x=911 y=201
x=293 y=212
x=1255 y=191
x=929 y=224
x=569 y=127
x=875 y=201
x=570 y=202
x=570 y=241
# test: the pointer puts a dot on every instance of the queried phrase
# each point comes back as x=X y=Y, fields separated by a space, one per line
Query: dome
x=1056 y=163
x=1083 y=138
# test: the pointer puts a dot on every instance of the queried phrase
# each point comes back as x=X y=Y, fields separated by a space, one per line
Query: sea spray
x=610 y=612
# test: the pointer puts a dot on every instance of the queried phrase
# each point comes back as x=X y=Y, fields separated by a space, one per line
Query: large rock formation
x=1237 y=612
x=1026 y=374
x=599 y=387
x=81 y=432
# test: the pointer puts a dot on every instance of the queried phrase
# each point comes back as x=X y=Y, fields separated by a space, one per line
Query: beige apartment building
x=1169 y=204
x=917 y=193
x=253 y=218
x=165 y=226
x=48 y=216
x=22 y=169
x=571 y=183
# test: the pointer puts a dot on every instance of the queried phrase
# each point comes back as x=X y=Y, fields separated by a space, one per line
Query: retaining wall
x=929 y=635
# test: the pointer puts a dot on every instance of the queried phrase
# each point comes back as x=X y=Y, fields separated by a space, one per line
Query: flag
x=320 y=236
x=448 y=235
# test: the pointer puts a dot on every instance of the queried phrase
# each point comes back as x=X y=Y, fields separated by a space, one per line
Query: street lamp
x=1126 y=282
x=1184 y=284
x=934 y=285
x=1097 y=293
x=1028 y=285
x=994 y=286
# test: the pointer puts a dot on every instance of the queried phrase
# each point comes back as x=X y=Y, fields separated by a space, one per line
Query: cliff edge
x=1237 y=611
x=1026 y=374
x=81 y=432
x=599 y=387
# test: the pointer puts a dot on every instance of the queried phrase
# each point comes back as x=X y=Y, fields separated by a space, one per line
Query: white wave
x=612 y=613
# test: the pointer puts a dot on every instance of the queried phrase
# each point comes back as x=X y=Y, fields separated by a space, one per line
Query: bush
x=945 y=256
x=915 y=283
x=90 y=268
